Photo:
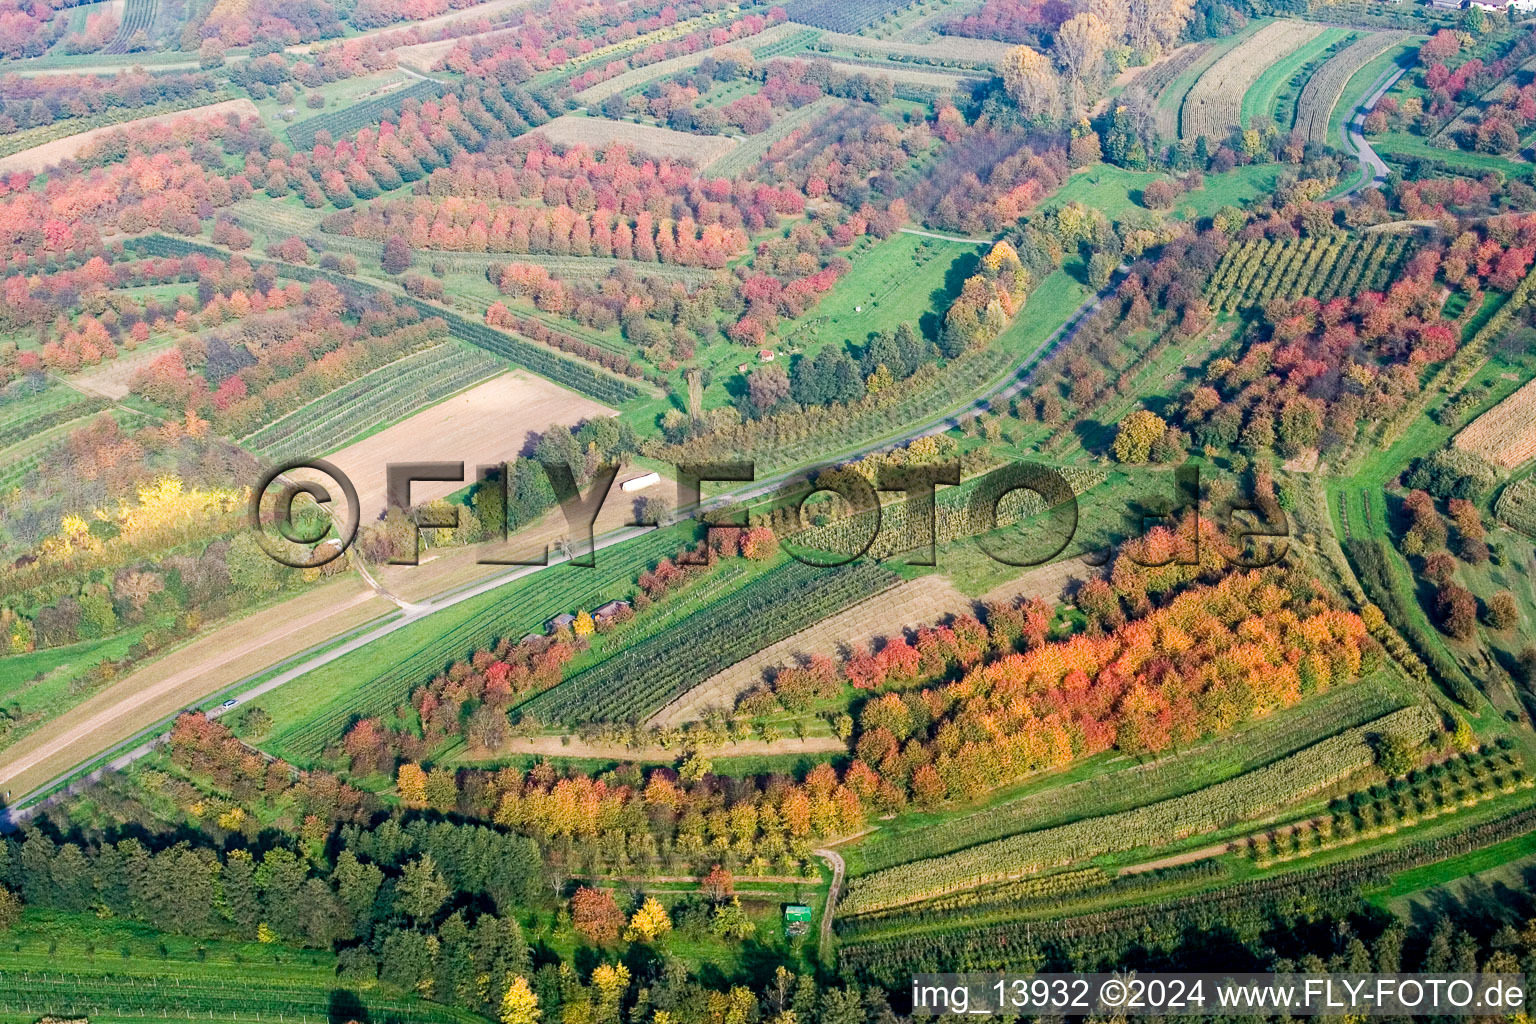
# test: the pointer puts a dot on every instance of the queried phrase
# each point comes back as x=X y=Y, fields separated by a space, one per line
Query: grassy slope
x=1079 y=791
x=77 y=965
x=1117 y=191
x=1260 y=100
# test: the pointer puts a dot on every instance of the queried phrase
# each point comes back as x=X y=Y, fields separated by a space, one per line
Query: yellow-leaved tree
x=520 y=1005
x=1138 y=433
x=649 y=923
x=411 y=782
x=583 y=625
x=1032 y=83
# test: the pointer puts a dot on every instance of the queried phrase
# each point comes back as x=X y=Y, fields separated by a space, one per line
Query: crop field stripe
x=575 y=374
x=387 y=394
x=1314 y=110
x=1263 y=97
x=638 y=681
x=1239 y=799
x=1505 y=434
x=1214 y=103
x=420 y=651
x=1048 y=802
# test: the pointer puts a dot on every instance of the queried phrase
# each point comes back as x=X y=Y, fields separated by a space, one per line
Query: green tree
x=241 y=903
x=1138 y=433
x=422 y=890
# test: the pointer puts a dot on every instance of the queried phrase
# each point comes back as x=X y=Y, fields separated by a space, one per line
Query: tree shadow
x=346 y=1005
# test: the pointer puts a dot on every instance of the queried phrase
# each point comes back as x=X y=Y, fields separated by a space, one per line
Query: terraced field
x=1214 y=105
x=985 y=52
x=636 y=77
x=374 y=400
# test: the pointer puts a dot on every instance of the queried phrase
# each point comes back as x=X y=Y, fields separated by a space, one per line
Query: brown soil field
x=40 y=158
x=916 y=602
x=985 y=51
x=661 y=143
x=450 y=568
x=1049 y=582
x=186 y=675
x=671 y=66
x=479 y=427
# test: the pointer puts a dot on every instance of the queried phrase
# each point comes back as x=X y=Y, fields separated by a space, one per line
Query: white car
x=229 y=703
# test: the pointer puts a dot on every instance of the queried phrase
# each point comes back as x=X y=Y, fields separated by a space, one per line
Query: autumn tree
x=520 y=1005
x=411 y=783
x=595 y=915
x=1456 y=609
x=718 y=884
x=1138 y=433
x=397 y=254
x=1503 y=612
x=1032 y=83
x=649 y=923
x=1155 y=25
x=10 y=909
x=1080 y=46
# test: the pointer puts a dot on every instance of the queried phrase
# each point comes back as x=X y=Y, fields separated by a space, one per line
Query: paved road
x=835 y=859
x=1373 y=168
x=1001 y=390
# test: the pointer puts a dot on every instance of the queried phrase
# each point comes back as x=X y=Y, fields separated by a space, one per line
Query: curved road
x=1012 y=383
x=1372 y=167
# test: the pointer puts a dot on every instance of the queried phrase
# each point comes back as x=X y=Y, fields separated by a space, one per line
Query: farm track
x=88 y=757
x=1373 y=169
x=1215 y=102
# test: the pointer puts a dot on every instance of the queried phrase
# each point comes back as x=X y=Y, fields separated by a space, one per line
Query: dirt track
x=40 y=158
x=572 y=746
x=185 y=676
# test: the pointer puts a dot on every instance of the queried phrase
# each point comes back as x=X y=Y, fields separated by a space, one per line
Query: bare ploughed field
x=40 y=158
x=660 y=143
x=479 y=427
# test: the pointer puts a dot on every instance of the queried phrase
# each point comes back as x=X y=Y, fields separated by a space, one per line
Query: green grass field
x=1117 y=191
x=1264 y=96
x=76 y=965
x=898 y=279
